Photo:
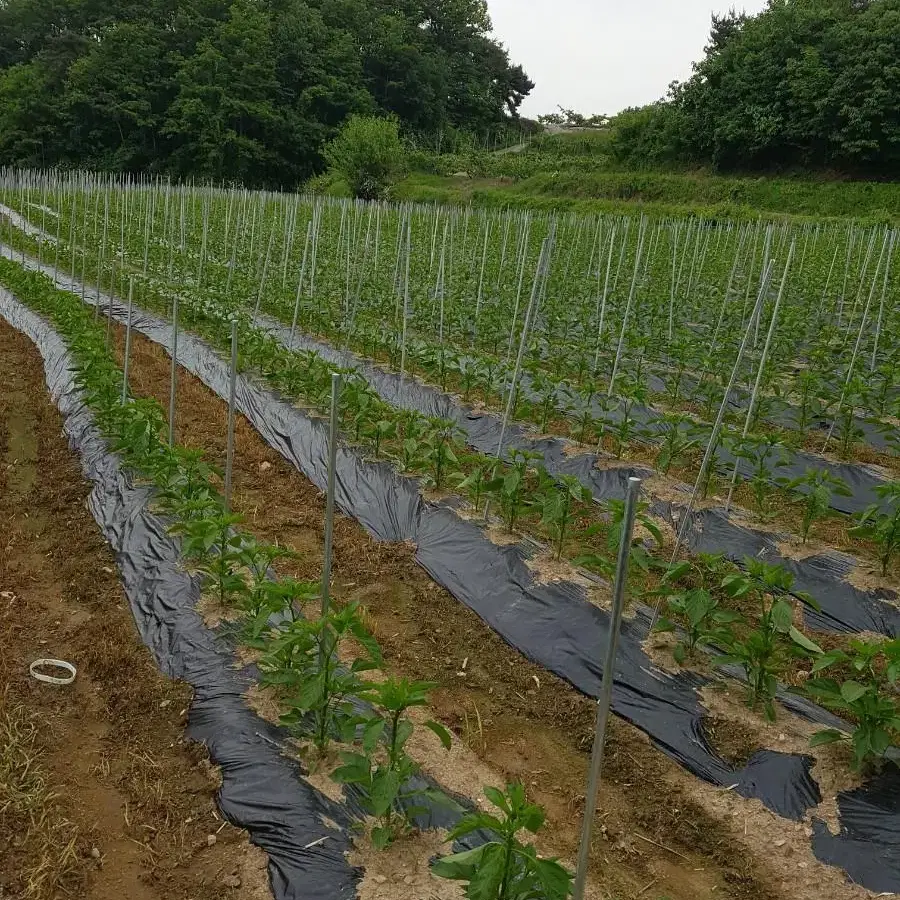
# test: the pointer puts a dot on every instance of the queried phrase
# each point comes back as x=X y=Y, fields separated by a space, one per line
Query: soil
x=402 y=871
x=105 y=800
x=515 y=718
x=735 y=742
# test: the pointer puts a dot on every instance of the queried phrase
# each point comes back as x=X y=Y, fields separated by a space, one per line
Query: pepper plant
x=560 y=502
x=503 y=868
x=763 y=651
x=384 y=775
x=881 y=523
x=679 y=440
x=302 y=662
x=869 y=698
x=704 y=619
x=815 y=487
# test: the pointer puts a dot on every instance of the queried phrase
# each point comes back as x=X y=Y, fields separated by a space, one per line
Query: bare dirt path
x=100 y=796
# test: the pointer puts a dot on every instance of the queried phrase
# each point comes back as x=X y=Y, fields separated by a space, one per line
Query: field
x=504 y=372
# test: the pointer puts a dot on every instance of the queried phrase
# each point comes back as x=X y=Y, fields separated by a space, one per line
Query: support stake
x=232 y=384
x=127 y=340
x=606 y=689
x=329 y=496
x=173 y=374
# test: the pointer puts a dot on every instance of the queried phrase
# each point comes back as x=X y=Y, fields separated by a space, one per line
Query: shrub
x=368 y=154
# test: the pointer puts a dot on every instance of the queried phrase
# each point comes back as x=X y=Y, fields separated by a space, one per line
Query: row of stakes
x=604 y=703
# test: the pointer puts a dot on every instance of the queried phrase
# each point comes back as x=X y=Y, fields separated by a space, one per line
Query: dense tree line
x=245 y=90
x=811 y=84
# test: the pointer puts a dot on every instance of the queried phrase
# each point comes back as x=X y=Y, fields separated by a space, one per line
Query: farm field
x=504 y=373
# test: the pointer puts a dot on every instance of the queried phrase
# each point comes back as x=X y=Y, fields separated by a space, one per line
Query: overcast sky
x=600 y=56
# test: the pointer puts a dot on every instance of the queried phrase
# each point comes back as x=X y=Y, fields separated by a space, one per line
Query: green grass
x=576 y=172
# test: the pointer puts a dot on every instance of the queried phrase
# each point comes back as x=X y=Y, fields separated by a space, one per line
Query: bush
x=328 y=184
x=368 y=155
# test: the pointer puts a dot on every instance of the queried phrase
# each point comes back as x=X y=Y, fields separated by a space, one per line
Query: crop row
x=765 y=643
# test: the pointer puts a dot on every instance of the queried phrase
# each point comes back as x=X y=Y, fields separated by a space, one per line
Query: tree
x=224 y=118
x=242 y=90
x=805 y=84
x=116 y=98
x=368 y=153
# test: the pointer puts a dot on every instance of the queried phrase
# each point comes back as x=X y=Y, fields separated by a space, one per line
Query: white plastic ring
x=54 y=664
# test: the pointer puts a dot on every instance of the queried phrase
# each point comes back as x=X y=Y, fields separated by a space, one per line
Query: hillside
x=578 y=171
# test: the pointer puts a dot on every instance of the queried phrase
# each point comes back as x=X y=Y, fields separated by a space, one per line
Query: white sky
x=600 y=56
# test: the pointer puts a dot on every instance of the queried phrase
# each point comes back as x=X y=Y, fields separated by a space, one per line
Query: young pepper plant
x=870 y=698
x=705 y=622
x=763 y=652
x=880 y=525
x=815 y=487
x=503 y=868
x=559 y=505
x=765 y=454
x=438 y=449
x=384 y=777
x=678 y=440
x=615 y=510
x=509 y=487
x=218 y=549
x=302 y=662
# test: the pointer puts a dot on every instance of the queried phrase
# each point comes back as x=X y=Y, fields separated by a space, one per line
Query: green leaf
x=487 y=878
x=803 y=641
x=459 y=866
x=782 y=615
x=441 y=732
x=404 y=732
x=532 y=818
x=879 y=741
x=474 y=822
x=497 y=798
x=851 y=691
x=381 y=837
x=828 y=659
x=372 y=734
x=679 y=570
x=385 y=787
x=664 y=625
x=356 y=769
x=554 y=879
x=829 y=736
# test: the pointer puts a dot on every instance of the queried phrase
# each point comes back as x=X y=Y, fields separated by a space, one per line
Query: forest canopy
x=806 y=84
x=240 y=90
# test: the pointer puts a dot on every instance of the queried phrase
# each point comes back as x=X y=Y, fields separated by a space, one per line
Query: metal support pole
x=232 y=383
x=173 y=374
x=717 y=425
x=605 y=702
x=760 y=371
x=127 y=341
x=329 y=495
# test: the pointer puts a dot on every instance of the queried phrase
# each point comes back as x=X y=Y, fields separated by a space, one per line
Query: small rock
x=164 y=704
x=408 y=879
x=265 y=466
x=95 y=852
x=780 y=843
x=232 y=881
x=380 y=879
x=210 y=840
